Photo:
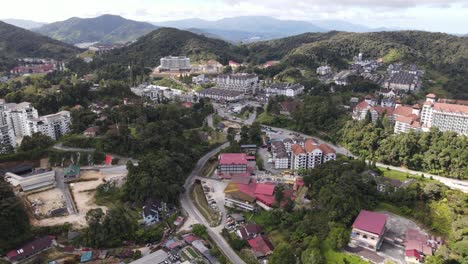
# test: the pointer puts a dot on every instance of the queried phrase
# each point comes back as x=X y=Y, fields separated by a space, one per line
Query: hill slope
x=104 y=29
x=149 y=49
x=16 y=42
x=22 y=23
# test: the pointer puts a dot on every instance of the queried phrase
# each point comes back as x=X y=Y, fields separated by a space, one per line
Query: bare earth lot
x=46 y=201
x=83 y=193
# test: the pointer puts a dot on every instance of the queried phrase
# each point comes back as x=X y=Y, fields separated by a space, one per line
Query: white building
x=7 y=137
x=324 y=70
x=310 y=155
x=242 y=82
x=280 y=155
x=54 y=125
x=342 y=78
x=16 y=116
x=445 y=114
x=220 y=94
x=32 y=181
x=172 y=63
x=286 y=89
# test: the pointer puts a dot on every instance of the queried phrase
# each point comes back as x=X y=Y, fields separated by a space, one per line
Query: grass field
x=392 y=174
x=336 y=257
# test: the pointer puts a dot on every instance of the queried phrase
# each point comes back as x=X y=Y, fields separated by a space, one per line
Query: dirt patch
x=45 y=202
x=83 y=193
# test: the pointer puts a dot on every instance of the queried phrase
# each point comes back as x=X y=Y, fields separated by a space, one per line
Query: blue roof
x=86 y=256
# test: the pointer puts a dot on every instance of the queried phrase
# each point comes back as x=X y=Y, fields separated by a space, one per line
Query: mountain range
x=23 y=23
x=105 y=29
x=17 y=42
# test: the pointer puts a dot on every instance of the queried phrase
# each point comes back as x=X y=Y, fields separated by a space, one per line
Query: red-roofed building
x=261 y=246
x=369 y=229
x=265 y=189
x=298 y=184
x=31 y=248
x=413 y=256
x=234 y=64
x=232 y=163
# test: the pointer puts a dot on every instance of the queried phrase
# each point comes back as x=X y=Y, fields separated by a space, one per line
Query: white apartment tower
x=54 y=125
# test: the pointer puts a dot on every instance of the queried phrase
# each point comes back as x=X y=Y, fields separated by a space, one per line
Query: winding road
x=192 y=211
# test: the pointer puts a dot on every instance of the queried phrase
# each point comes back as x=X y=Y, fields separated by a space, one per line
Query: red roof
x=327 y=149
x=413 y=253
x=233 y=158
x=251 y=158
x=453 y=108
x=261 y=245
x=299 y=182
x=370 y=222
x=31 y=248
x=403 y=111
x=362 y=105
x=310 y=145
x=297 y=149
x=431 y=95
x=265 y=189
x=190 y=238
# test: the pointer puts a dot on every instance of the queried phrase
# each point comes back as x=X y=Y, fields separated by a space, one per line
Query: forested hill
x=16 y=42
x=149 y=49
x=104 y=29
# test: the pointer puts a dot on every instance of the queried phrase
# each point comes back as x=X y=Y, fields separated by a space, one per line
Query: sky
x=449 y=16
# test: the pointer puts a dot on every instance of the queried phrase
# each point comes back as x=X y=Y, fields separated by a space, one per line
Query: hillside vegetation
x=104 y=29
x=16 y=42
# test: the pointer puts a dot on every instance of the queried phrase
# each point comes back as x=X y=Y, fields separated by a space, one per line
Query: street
x=193 y=212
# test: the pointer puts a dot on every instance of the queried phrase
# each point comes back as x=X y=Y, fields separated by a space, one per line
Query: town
x=357 y=156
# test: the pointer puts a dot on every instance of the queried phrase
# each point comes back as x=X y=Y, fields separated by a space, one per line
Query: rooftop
x=232 y=159
x=370 y=222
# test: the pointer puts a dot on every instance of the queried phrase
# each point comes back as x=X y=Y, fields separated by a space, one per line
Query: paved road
x=193 y=212
x=60 y=146
x=452 y=183
x=59 y=177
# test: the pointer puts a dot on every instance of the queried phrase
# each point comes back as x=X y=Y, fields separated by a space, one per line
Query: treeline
x=444 y=153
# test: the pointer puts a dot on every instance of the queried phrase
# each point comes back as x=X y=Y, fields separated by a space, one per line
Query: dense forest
x=434 y=152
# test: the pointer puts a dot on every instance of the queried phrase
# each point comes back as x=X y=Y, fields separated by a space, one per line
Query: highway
x=192 y=211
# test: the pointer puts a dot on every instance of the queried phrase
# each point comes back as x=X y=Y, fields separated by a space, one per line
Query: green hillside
x=104 y=29
x=16 y=42
x=149 y=49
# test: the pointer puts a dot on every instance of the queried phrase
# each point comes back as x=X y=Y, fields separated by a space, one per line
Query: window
x=364 y=236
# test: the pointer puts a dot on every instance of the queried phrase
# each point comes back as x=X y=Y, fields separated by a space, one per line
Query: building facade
x=286 y=89
x=238 y=82
x=54 y=125
x=177 y=64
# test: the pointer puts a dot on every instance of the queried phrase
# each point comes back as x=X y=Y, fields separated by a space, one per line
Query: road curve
x=189 y=207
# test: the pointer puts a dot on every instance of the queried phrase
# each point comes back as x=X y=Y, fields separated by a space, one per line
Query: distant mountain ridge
x=17 y=42
x=23 y=23
x=106 y=29
x=258 y=28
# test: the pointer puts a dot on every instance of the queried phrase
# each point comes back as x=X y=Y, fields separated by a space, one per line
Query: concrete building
x=241 y=82
x=310 y=154
x=54 y=125
x=175 y=64
x=7 y=138
x=232 y=163
x=220 y=94
x=368 y=230
x=324 y=70
x=286 y=89
x=16 y=117
x=33 y=180
x=403 y=80
x=280 y=155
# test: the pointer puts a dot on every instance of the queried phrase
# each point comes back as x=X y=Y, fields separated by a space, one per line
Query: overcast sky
x=432 y=15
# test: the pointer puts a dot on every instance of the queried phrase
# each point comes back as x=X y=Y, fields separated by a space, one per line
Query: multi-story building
x=286 y=89
x=242 y=82
x=232 y=163
x=403 y=80
x=54 y=125
x=310 y=154
x=16 y=116
x=446 y=115
x=369 y=230
x=324 y=70
x=280 y=155
x=176 y=64
x=220 y=94
x=7 y=138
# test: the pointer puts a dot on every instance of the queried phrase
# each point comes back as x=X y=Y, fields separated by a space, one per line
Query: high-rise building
x=16 y=116
x=54 y=125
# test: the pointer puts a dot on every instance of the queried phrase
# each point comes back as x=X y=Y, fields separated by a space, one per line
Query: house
x=249 y=231
x=153 y=211
x=368 y=230
x=324 y=70
x=261 y=246
x=250 y=149
x=342 y=78
x=234 y=64
x=413 y=256
x=239 y=218
x=416 y=240
x=189 y=238
x=288 y=107
x=30 y=249
x=179 y=221
x=286 y=89
x=91 y=132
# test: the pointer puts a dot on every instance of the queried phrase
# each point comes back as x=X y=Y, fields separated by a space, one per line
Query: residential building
x=233 y=64
x=249 y=231
x=403 y=80
x=31 y=180
x=413 y=256
x=30 y=249
x=368 y=230
x=324 y=70
x=232 y=163
x=91 y=132
x=16 y=117
x=7 y=138
x=153 y=211
x=220 y=94
x=280 y=155
x=342 y=77
x=54 y=125
x=175 y=64
x=242 y=82
x=200 y=79
x=261 y=246
x=310 y=155
x=286 y=89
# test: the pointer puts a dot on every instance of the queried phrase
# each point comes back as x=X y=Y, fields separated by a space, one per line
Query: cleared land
x=46 y=201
